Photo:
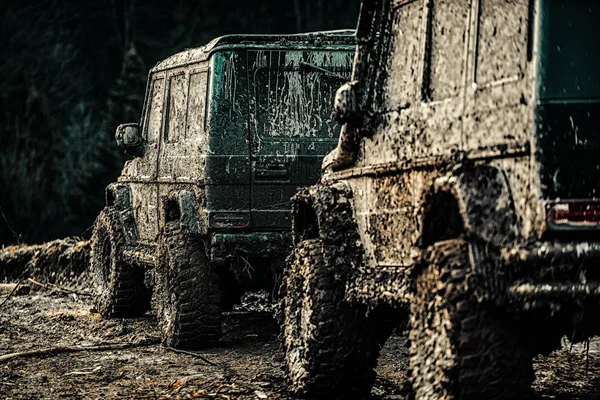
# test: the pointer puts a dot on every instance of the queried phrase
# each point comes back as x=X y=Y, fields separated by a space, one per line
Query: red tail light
x=573 y=213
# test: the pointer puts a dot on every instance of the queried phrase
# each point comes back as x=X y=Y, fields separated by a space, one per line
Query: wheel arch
x=118 y=197
x=474 y=200
x=305 y=223
x=182 y=205
x=442 y=218
x=323 y=210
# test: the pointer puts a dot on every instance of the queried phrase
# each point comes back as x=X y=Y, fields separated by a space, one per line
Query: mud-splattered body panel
x=449 y=87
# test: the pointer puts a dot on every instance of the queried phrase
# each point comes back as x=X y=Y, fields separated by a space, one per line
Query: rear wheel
x=330 y=350
x=187 y=296
x=119 y=286
x=460 y=348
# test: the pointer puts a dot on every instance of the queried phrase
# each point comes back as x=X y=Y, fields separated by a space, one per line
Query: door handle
x=275 y=171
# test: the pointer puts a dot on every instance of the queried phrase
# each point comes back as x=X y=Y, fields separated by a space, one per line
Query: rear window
x=295 y=100
x=569 y=49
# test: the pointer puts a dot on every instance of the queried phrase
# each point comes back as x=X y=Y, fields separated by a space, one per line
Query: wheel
x=187 y=297
x=119 y=286
x=329 y=349
x=461 y=348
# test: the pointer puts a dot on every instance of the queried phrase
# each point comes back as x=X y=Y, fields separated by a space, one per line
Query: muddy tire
x=460 y=348
x=119 y=286
x=187 y=297
x=329 y=350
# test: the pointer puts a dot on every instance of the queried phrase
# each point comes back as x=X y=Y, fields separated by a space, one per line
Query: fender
x=324 y=211
x=183 y=206
x=486 y=208
x=118 y=195
x=485 y=202
x=189 y=212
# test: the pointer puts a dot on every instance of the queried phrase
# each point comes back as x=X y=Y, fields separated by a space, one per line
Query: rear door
x=290 y=99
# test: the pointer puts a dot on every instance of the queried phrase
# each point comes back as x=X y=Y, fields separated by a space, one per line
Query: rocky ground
x=248 y=364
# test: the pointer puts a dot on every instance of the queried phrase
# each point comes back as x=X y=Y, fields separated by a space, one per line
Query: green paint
x=568 y=95
x=569 y=50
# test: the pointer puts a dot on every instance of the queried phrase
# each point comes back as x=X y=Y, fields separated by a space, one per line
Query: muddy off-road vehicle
x=228 y=133
x=462 y=196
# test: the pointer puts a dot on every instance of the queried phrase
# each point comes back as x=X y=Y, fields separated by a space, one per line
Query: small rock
x=260 y=395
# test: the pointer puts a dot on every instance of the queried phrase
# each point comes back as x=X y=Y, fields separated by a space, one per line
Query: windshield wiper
x=326 y=72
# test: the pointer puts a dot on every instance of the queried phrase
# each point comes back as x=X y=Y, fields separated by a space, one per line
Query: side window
x=156 y=110
x=197 y=103
x=446 y=39
x=177 y=101
x=502 y=41
x=400 y=85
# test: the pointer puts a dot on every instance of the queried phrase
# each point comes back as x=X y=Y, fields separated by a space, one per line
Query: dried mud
x=249 y=362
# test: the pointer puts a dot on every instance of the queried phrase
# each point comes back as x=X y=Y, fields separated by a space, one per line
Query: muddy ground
x=248 y=365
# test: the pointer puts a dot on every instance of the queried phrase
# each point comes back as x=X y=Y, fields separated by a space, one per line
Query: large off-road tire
x=187 y=297
x=330 y=350
x=460 y=347
x=119 y=286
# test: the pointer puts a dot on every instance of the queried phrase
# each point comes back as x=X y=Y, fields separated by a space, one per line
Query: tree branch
x=52 y=351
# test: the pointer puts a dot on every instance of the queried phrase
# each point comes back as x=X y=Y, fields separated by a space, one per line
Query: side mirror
x=129 y=138
x=346 y=106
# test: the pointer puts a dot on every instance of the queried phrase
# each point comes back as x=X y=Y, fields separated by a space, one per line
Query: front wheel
x=329 y=347
x=187 y=295
x=119 y=286
x=460 y=348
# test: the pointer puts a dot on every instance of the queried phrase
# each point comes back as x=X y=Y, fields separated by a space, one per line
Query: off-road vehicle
x=228 y=133
x=463 y=194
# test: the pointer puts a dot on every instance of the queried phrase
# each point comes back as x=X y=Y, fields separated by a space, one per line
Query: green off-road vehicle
x=228 y=133
x=462 y=196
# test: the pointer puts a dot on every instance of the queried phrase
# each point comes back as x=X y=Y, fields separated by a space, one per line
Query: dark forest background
x=73 y=70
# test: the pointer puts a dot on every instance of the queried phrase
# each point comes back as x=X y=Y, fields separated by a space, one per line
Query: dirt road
x=248 y=365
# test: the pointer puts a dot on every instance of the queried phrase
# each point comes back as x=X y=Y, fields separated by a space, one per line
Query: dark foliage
x=72 y=71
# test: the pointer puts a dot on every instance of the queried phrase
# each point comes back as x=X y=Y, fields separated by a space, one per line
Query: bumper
x=261 y=244
x=554 y=273
x=223 y=246
x=552 y=253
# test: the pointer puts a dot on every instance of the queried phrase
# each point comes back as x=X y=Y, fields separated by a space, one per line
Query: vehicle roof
x=259 y=41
